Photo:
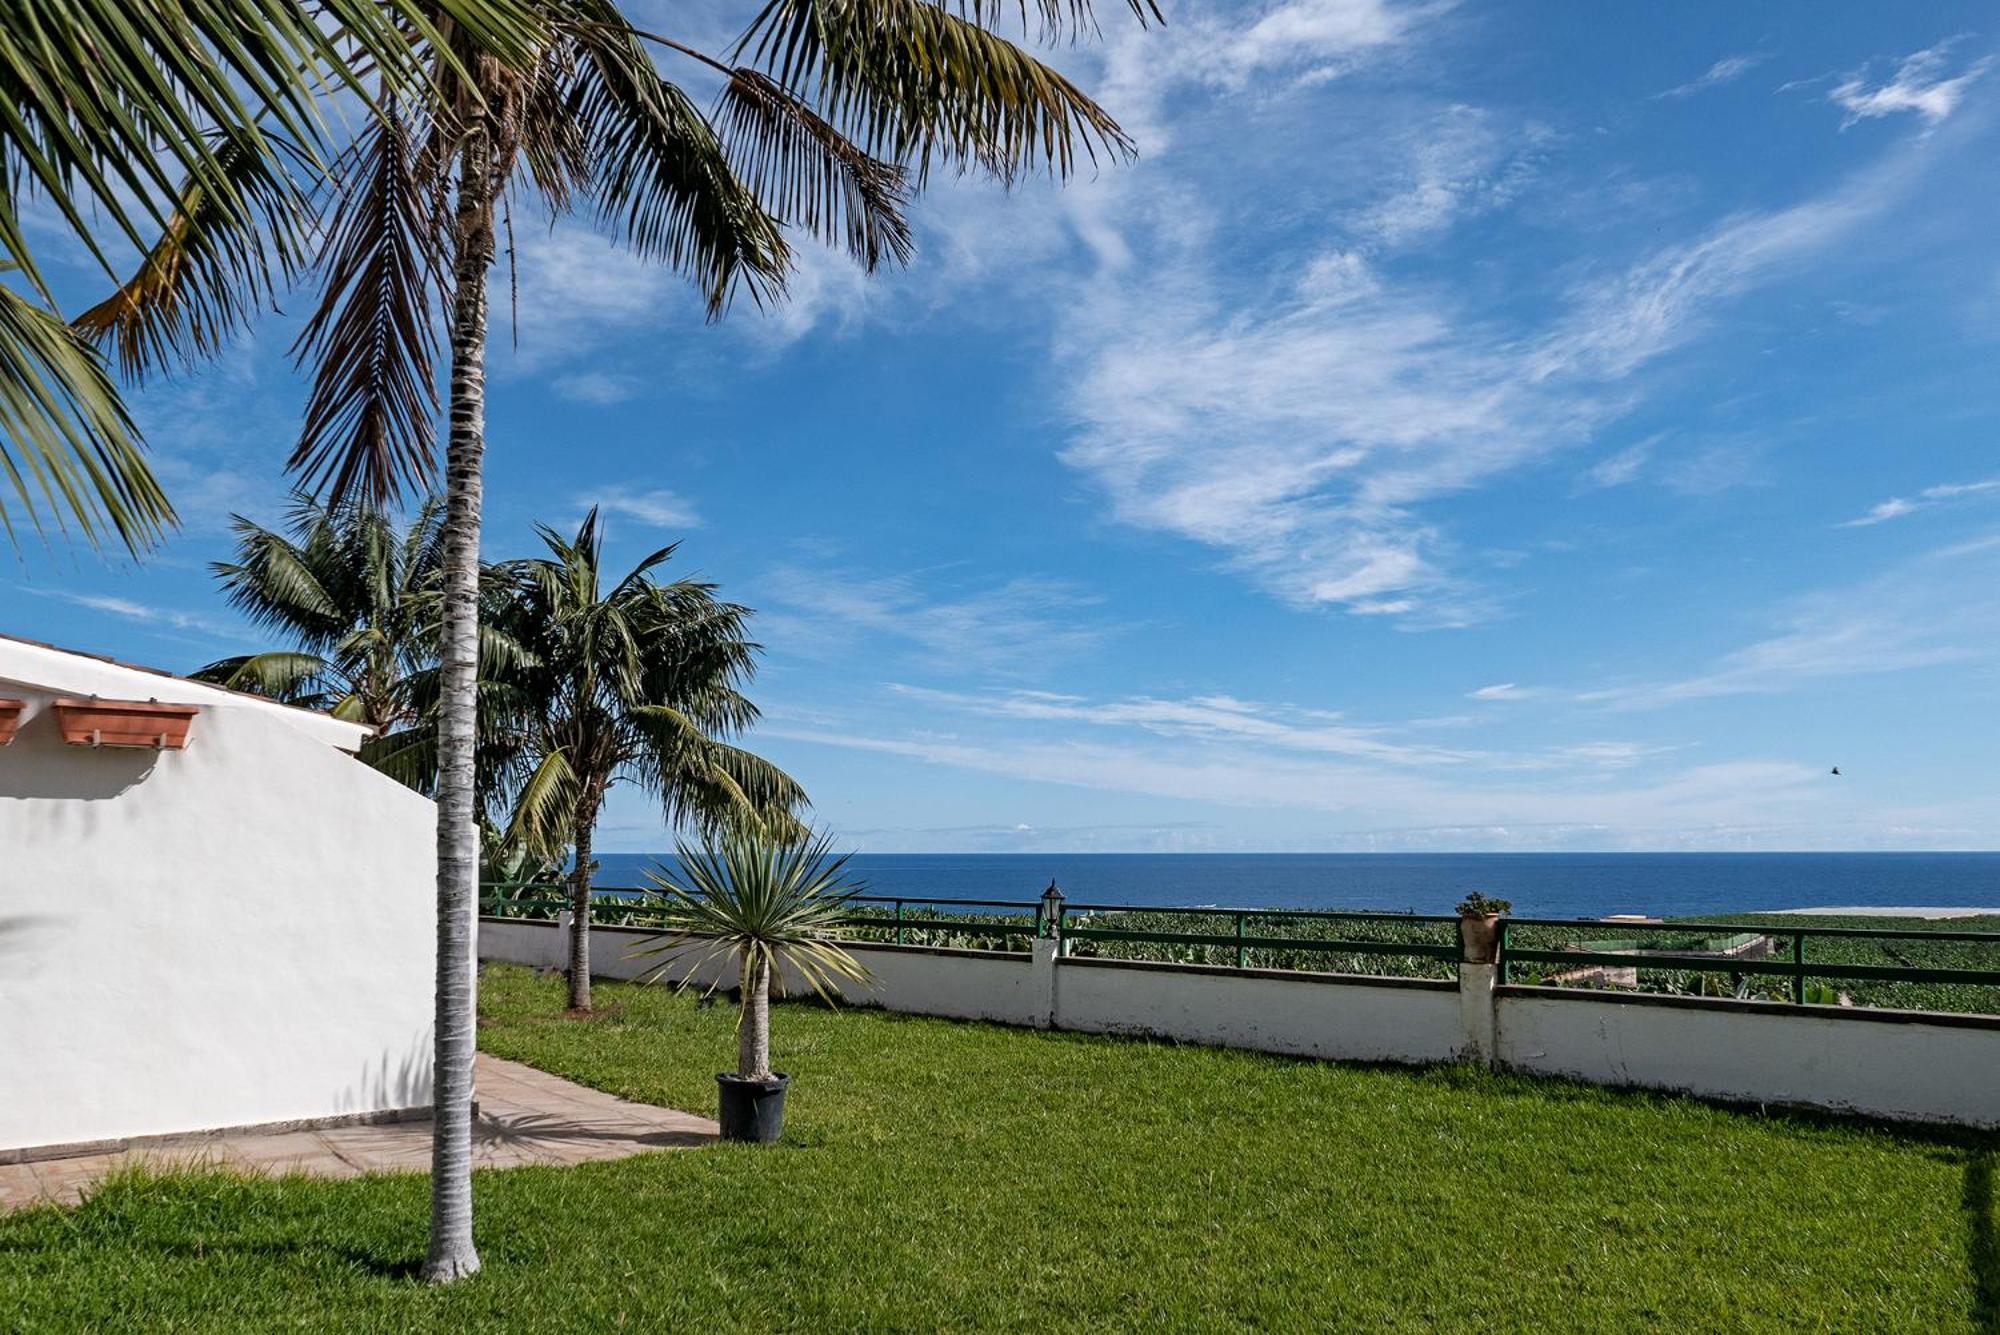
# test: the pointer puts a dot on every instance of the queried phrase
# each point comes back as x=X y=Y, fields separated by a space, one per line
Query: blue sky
x=1465 y=427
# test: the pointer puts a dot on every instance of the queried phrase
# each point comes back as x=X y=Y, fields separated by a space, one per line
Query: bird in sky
x=1836 y=769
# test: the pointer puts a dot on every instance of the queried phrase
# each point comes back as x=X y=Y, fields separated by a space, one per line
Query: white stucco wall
x=1308 y=1015
x=1941 y=1068
x=1901 y=1064
x=966 y=985
x=237 y=933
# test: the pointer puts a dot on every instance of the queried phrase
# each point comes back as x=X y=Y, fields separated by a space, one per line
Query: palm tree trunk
x=753 y=1026
x=579 y=909
x=452 y=1255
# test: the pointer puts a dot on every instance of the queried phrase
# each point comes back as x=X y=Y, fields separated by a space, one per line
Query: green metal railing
x=1625 y=953
x=1244 y=941
x=898 y=917
x=1239 y=934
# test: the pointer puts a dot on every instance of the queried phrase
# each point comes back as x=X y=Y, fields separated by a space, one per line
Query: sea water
x=1552 y=885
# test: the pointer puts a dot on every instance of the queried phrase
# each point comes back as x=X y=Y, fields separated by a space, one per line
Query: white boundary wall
x=239 y=933
x=1894 y=1064
x=1902 y=1064
x=1306 y=1015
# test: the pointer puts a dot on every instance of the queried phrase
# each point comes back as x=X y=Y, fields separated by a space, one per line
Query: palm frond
x=371 y=344
x=292 y=676
x=222 y=257
x=810 y=174
x=660 y=176
x=66 y=443
x=913 y=81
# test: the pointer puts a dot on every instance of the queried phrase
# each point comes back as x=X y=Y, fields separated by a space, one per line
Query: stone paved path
x=526 y=1116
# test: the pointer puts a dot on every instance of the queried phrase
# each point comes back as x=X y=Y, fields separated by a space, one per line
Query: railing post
x=1049 y=915
x=1242 y=955
x=899 y=922
x=1046 y=948
x=1478 y=969
x=1799 y=968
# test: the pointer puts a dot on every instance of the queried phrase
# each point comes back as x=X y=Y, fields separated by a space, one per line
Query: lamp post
x=1052 y=907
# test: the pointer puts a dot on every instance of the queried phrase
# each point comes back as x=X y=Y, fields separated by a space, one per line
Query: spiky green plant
x=771 y=903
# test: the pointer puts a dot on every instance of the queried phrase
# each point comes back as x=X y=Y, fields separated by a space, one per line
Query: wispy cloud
x=144 y=613
x=1379 y=806
x=1454 y=164
x=1018 y=626
x=1927 y=499
x=1941 y=608
x=656 y=508
x=1501 y=690
x=1622 y=467
x=1922 y=84
x=1305 y=416
x=1209 y=718
x=1726 y=70
x=599 y=387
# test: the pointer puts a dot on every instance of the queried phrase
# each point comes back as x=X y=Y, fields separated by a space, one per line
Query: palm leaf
x=66 y=442
x=808 y=173
x=913 y=81
x=222 y=256
x=661 y=178
x=372 y=341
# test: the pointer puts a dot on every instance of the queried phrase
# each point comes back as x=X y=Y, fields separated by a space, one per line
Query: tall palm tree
x=354 y=596
x=634 y=681
x=121 y=119
x=830 y=112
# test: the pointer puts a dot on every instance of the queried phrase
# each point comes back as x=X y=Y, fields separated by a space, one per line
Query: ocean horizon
x=1553 y=885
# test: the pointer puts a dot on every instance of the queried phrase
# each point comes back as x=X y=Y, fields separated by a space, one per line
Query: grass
x=943 y=1175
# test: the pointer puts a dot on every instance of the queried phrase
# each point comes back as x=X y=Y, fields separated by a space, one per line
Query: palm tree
x=635 y=682
x=355 y=597
x=120 y=119
x=770 y=902
x=830 y=111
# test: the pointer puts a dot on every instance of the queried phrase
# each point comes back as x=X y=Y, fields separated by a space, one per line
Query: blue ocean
x=1549 y=885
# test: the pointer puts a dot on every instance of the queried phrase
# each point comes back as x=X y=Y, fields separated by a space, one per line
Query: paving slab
x=526 y=1116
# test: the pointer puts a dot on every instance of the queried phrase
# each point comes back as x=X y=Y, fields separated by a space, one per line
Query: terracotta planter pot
x=96 y=722
x=1479 y=937
x=10 y=719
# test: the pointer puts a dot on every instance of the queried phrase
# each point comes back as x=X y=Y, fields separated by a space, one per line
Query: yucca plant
x=770 y=904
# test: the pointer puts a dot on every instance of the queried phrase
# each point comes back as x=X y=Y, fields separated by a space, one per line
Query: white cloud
x=600 y=387
x=1366 y=805
x=658 y=508
x=1726 y=70
x=1941 y=608
x=1206 y=718
x=1503 y=690
x=1301 y=419
x=1021 y=625
x=1921 y=84
x=1616 y=470
x=1929 y=498
x=1457 y=162
x=144 y=613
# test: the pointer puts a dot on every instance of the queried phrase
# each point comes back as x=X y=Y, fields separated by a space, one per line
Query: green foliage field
x=939 y=1175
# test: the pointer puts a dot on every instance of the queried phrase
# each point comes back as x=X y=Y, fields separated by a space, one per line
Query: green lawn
x=959 y=1175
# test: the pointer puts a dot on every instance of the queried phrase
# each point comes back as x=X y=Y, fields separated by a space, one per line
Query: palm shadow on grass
x=1982 y=1241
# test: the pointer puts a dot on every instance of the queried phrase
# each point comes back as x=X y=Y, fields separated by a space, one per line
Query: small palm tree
x=634 y=681
x=355 y=598
x=773 y=904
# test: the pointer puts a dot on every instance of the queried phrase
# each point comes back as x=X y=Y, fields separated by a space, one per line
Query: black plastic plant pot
x=752 y=1110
